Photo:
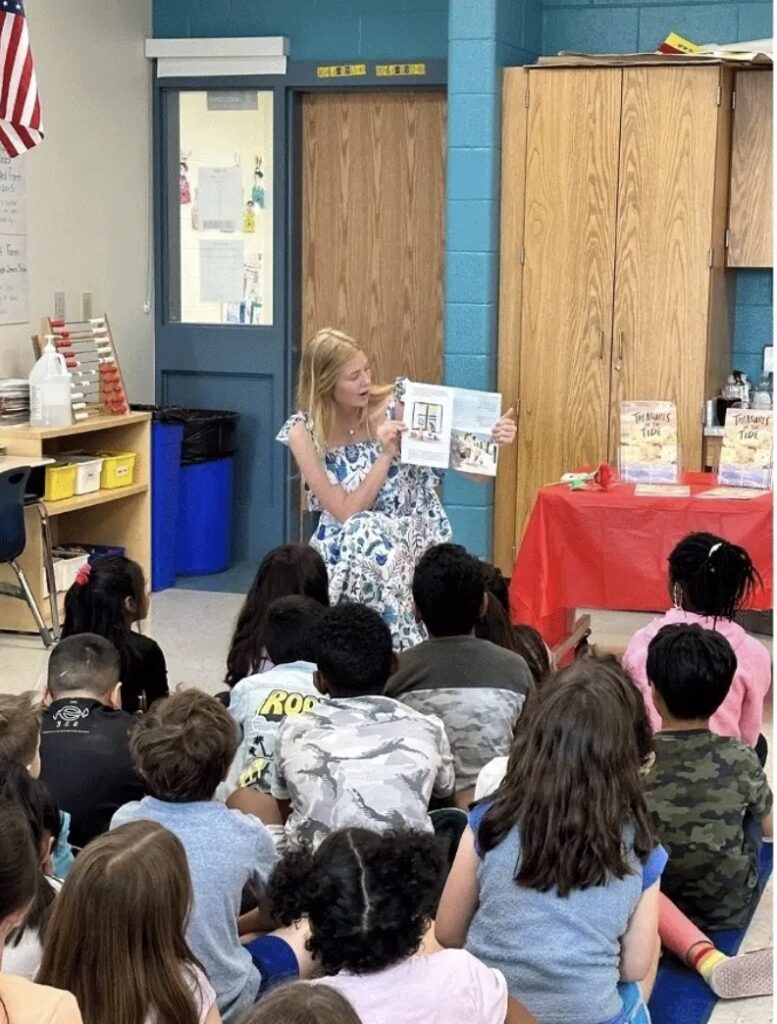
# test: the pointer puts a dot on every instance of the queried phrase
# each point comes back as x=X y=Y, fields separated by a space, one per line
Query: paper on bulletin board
x=221 y=270
x=220 y=198
x=13 y=242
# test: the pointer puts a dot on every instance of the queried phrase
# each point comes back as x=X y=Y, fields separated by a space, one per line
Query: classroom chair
x=13 y=539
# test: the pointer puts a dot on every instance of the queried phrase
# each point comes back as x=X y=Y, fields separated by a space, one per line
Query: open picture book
x=450 y=428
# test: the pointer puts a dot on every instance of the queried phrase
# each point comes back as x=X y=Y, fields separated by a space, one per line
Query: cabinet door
x=750 y=218
x=569 y=240
x=669 y=125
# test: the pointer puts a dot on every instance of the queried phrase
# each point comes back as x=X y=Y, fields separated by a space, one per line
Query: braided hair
x=714 y=577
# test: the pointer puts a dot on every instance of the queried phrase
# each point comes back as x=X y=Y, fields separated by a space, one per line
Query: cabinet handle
x=601 y=345
x=619 y=361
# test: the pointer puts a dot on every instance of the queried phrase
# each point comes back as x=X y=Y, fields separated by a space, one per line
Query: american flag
x=20 y=122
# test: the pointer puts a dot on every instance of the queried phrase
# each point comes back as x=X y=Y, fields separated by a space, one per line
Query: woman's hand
x=504 y=429
x=388 y=435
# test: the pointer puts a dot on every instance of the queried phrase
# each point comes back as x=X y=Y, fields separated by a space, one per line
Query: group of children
x=457 y=834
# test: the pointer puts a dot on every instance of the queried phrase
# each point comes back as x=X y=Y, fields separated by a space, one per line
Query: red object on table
x=609 y=549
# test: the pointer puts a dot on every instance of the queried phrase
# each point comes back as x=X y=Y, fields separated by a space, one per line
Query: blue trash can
x=204 y=540
x=166 y=439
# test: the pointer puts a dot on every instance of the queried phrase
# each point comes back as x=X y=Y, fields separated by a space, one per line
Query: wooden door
x=373 y=225
x=569 y=242
x=665 y=250
x=750 y=218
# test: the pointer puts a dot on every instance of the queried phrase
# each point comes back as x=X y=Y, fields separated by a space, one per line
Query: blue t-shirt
x=225 y=849
x=560 y=954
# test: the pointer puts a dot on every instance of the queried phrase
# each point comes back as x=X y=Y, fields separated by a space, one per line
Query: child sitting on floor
x=116 y=935
x=556 y=881
x=20 y=736
x=710 y=580
x=108 y=598
x=85 y=758
x=707 y=794
x=291 y=569
x=22 y=1001
x=359 y=758
x=24 y=946
x=476 y=688
x=261 y=703
x=182 y=750
x=369 y=899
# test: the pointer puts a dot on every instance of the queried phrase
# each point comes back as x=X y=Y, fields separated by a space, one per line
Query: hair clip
x=714 y=548
x=83 y=574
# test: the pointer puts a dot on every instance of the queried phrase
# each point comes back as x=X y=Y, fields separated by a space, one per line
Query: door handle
x=619 y=360
x=601 y=344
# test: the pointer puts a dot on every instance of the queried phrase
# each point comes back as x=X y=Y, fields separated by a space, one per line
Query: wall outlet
x=768 y=361
x=59 y=306
x=86 y=305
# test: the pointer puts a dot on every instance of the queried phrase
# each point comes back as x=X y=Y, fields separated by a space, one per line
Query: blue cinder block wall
x=316 y=29
x=622 y=26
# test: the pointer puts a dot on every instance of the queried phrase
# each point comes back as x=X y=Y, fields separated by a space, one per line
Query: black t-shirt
x=85 y=762
x=143 y=670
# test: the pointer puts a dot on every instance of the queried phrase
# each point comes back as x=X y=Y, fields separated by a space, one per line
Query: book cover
x=648 y=451
x=747 y=453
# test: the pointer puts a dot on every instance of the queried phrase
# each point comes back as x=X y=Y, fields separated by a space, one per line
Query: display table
x=121 y=516
x=597 y=549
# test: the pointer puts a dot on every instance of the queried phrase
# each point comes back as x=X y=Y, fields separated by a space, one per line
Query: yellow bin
x=118 y=469
x=60 y=481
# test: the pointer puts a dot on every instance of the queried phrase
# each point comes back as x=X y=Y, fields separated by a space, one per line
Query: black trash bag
x=207 y=433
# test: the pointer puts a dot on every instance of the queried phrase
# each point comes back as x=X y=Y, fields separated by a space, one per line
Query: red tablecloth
x=596 y=549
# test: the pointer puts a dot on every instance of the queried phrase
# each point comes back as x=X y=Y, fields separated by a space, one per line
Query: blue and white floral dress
x=372 y=556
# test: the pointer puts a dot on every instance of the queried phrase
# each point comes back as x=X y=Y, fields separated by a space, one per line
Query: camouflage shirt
x=476 y=688
x=365 y=761
x=699 y=791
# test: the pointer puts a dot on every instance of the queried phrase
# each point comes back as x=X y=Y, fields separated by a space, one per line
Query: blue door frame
x=250 y=369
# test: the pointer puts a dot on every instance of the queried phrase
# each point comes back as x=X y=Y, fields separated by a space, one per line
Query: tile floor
x=194 y=628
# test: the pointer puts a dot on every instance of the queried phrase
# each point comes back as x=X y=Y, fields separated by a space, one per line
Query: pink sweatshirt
x=741 y=713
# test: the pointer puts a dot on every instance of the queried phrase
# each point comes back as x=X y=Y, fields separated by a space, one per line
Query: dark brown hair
x=183 y=747
x=573 y=786
x=20 y=722
x=530 y=645
x=715 y=578
x=284 y=571
x=18 y=861
x=116 y=935
x=303 y=1003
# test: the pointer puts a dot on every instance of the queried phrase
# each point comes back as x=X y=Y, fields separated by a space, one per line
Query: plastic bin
x=204 y=534
x=60 y=481
x=118 y=469
x=166 y=440
x=88 y=472
x=67 y=565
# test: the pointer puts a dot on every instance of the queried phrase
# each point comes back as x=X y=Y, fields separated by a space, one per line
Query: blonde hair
x=323 y=359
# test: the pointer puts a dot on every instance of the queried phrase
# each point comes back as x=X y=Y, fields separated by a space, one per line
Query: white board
x=13 y=242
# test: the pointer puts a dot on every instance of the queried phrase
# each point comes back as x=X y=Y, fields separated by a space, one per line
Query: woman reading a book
x=378 y=515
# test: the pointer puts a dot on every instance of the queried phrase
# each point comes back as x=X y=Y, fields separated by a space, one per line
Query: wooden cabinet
x=618 y=213
x=750 y=214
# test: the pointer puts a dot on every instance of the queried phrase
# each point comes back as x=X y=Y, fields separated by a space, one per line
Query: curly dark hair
x=354 y=651
x=712 y=576
x=369 y=896
x=448 y=589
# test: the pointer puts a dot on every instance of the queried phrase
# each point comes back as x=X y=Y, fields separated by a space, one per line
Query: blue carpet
x=680 y=996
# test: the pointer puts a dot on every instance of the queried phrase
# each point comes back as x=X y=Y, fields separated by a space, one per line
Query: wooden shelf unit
x=120 y=516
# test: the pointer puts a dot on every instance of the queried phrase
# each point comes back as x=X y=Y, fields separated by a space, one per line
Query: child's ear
x=130 y=606
x=48 y=699
x=320 y=683
x=484 y=605
x=113 y=697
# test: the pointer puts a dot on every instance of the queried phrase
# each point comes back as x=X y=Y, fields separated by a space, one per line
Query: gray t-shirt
x=560 y=954
x=474 y=687
x=225 y=849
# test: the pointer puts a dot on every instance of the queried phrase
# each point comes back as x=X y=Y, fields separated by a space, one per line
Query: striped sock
x=707 y=960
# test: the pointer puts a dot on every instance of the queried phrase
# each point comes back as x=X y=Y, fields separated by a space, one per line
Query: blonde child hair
x=323 y=359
